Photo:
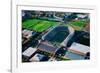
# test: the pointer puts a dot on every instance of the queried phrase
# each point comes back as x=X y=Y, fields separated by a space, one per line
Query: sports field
x=78 y=24
x=38 y=25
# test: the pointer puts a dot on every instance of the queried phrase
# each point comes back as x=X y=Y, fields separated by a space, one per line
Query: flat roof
x=28 y=52
x=73 y=56
x=79 y=48
x=37 y=57
x=27 y=33
x=45 y=46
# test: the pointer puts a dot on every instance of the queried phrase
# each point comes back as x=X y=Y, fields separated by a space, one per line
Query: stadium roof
x=54 y=34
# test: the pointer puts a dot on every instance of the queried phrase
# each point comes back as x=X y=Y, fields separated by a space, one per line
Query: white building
x=29 y=51
x=82 y=15
x=79 y=48
x=27 y=33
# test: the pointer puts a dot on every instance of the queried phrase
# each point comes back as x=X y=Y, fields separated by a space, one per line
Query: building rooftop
x=28 y=52
x=27 y=33
x=82 y=15
x=79 y=48
x=37 y=57
x=58 y=34
x=47 y=47
x=81 y=37
x=73 y=56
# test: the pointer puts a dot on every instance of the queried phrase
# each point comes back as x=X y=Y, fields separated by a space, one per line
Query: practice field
x=78 y=24
x=38 y=24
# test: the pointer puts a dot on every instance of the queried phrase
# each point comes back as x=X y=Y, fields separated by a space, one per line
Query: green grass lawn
x=38 y=25
x=78 y=23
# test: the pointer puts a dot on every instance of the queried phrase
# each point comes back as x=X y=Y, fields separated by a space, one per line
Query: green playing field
x=78 y=23
x=38 y=24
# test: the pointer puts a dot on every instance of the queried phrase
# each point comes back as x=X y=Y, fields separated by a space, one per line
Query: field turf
x=38 y=24
x=78 y=23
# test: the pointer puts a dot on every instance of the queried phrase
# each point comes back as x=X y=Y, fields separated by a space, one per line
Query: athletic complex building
x=59 y=35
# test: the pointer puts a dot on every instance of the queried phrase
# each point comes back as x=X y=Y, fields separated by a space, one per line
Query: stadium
x=59 y=35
